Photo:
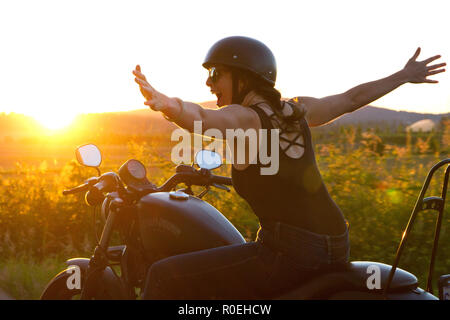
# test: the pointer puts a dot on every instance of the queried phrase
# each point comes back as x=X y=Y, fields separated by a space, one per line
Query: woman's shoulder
x=278 y=117
x=287 y=108
x=264 y=106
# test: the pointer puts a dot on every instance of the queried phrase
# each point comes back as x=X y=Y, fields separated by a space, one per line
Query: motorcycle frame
x=429 y=203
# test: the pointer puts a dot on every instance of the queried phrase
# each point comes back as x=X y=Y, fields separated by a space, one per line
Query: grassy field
x=374 y=183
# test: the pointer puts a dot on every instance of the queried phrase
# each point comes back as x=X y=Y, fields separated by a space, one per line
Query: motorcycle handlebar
x=194 y=178
x=222 y=180
x=84 y=187
x=109 y=182
x=81 y=188
x=106 y=183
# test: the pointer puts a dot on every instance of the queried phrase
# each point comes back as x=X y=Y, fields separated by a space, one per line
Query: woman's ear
x=244 y=84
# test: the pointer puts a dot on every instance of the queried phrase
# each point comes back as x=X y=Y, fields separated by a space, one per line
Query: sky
x=61 y=58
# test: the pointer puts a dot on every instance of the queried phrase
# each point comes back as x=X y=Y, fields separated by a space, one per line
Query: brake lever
x=221 y=186
x=203 y=192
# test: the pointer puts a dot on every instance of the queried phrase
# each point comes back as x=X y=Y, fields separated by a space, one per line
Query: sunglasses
x=214 y=74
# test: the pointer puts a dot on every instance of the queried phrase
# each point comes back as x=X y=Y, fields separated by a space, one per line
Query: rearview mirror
x=207 y=159
x=89 y=155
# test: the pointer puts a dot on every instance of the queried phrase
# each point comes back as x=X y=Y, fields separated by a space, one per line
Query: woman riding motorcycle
x=302 y=231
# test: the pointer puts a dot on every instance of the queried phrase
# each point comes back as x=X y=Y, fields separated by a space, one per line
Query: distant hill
x=374 y=115
x=144 y=122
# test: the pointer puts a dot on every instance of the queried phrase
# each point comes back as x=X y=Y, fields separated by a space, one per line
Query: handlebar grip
x=94 y=197
x=222 y=180
x=100 y=186
x=108 y=182
x=81 y=188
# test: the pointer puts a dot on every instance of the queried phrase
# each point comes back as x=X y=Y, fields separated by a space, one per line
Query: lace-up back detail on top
x=292 y=140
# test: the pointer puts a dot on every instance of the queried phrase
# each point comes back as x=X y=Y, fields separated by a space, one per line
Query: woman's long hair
x=261 y=87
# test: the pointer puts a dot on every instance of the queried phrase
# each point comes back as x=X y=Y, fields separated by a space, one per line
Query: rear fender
x=409 y=294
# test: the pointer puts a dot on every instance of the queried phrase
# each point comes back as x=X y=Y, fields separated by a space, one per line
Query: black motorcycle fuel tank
x=175 y=223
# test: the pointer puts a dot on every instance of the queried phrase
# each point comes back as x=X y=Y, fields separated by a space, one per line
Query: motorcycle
x=158 y=222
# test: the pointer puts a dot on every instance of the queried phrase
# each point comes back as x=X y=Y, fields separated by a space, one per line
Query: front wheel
x=58 y=288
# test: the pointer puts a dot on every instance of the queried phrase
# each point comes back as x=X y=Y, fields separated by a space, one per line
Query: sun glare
x=55 y=121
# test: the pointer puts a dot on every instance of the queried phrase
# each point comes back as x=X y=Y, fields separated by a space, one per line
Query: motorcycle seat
x=356 y=276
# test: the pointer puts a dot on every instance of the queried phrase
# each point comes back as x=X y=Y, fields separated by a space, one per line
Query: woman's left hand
x=418 y=71
x=155 y=100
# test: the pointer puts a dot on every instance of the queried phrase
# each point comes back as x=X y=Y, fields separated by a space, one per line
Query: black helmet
x=245 y=53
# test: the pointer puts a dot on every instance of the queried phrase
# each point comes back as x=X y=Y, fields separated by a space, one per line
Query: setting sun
x=54 y=121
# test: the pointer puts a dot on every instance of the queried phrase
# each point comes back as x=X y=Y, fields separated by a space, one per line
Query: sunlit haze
x=62 y=58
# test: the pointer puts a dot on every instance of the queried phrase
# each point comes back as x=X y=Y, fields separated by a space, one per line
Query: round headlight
x=136 y=169
x=133 y=172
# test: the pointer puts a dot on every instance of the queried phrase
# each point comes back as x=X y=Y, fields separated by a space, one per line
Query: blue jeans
x=281 y=258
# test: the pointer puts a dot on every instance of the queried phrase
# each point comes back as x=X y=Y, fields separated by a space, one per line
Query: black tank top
x=295 y=195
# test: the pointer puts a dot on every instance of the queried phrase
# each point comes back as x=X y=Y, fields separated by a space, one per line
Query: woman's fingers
x=435 y=72
x=141 y=81
x=431 y=73
x=137 y=72
x=435 y=66
x=416 y=54
x=146 y=89
x=139 y=75
x=144 y=83
x=427 y=61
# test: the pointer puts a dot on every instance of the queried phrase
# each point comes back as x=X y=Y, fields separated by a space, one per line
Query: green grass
x=24 y=278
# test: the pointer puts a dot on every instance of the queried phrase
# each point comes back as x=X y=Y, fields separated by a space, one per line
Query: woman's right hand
x=418 y=71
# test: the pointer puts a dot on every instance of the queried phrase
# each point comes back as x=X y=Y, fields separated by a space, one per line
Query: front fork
x=99 y=274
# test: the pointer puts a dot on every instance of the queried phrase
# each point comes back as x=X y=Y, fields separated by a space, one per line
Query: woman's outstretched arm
x=321 y=111
x=184 y=113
